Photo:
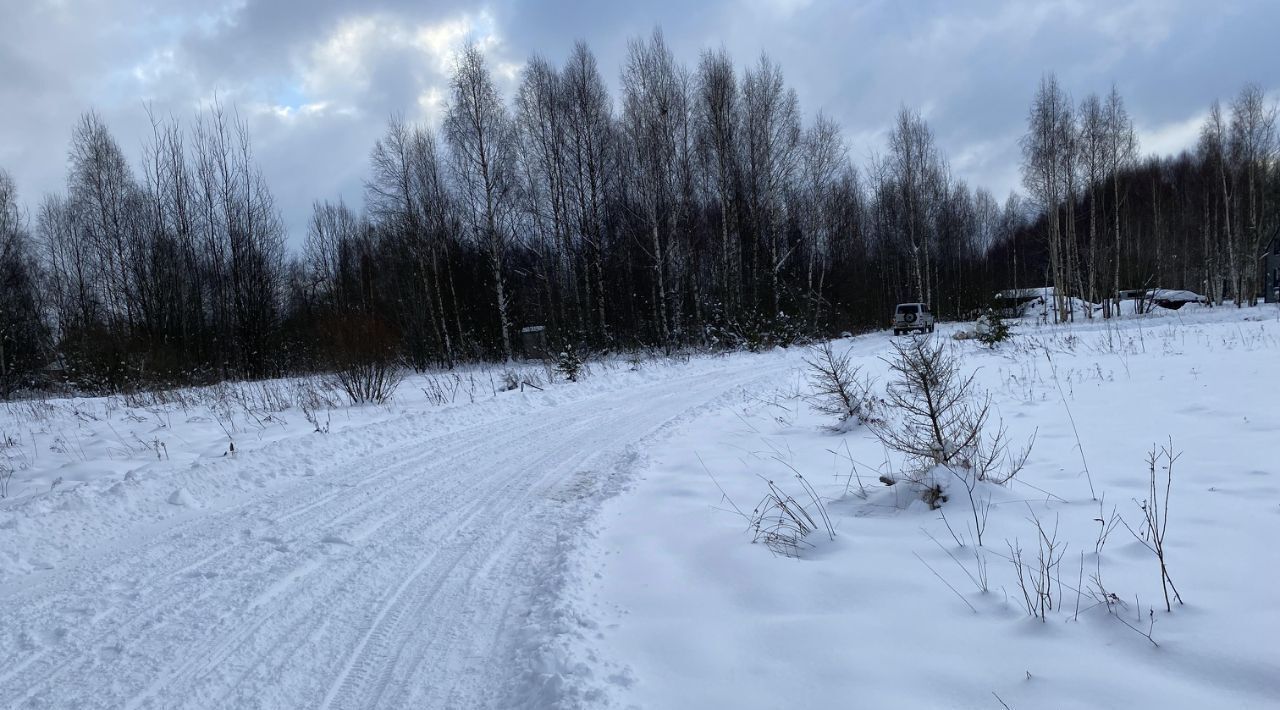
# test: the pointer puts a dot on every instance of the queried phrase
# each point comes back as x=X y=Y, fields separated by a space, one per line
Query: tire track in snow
x=442 y=537
x=174 y=598
x=382 y=659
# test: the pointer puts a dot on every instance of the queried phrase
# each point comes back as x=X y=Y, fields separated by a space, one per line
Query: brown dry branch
x=1039 y=579
x=1155 y=512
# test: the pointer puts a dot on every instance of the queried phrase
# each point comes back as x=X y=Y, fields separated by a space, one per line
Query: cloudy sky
x=316 y=79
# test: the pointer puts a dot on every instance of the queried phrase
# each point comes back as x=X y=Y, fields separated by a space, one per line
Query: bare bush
x=838 y=388
x=31 y=410
x=366 y=364
x=1039 y=579
x=312 y=394
x=1155 y=515
x=13 y=458
x=442 y=389
x=369 y=382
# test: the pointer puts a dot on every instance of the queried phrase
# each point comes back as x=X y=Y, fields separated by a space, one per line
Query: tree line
x=1109 y=221
x=696 y=208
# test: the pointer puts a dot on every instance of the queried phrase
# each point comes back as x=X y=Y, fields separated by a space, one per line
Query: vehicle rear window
x=909 y=309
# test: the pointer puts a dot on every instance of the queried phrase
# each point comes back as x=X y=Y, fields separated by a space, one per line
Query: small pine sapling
x=569 y=364
x=941 y=426
x=991 y=330
x=838 y=390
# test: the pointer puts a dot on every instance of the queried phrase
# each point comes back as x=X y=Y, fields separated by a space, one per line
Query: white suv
x=912 y=316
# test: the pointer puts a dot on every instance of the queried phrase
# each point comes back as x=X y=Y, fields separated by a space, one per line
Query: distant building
x=1173 y=298
x=533 y=342
x=1015 y=303
x=1271 y=271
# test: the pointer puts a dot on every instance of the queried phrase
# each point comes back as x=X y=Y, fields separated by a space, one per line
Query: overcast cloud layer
x=316 y=79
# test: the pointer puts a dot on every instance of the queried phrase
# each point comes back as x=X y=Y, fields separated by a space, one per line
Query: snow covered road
x=404 y=569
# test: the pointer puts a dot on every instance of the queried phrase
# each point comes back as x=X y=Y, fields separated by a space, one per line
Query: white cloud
x=1172 y=137
x=431 y=105
x=156 y=69
x=782 y=8
x=340 y=67
x=316 y=79
x=440 y=42
x=338 y=60
x=292 y=114
x=1142 y=23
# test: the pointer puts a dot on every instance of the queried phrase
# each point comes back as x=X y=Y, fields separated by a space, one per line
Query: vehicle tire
x=931 y=328
x=909 y=317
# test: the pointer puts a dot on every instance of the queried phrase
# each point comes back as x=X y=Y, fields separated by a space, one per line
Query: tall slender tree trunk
x=1115 y=210
x=660 y=280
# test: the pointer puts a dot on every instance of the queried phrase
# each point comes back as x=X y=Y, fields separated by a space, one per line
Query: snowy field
x=678 y=610
x=577 y=545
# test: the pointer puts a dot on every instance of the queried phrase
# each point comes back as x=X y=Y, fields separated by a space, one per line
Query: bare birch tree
x=482 y=143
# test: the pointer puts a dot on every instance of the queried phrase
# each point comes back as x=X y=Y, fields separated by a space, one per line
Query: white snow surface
x=568 y=546
x=409 y=558
x=685 y=612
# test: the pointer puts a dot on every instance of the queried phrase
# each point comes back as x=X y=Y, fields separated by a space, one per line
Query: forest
x=696 y=207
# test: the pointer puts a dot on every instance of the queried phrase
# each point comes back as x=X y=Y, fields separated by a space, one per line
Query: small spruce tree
x=569 y=364
x=991 y=329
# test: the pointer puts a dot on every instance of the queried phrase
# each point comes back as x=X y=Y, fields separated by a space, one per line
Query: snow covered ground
x=409 y=557
x=567 y=546
x=680 y=611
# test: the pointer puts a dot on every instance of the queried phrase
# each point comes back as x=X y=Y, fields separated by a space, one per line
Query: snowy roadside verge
x=683 y=612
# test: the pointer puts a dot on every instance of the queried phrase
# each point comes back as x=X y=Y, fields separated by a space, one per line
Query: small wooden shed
x=533 y=342
x=1271 y=272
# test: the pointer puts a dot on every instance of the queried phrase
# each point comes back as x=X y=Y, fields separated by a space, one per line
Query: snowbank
x=895 y=612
